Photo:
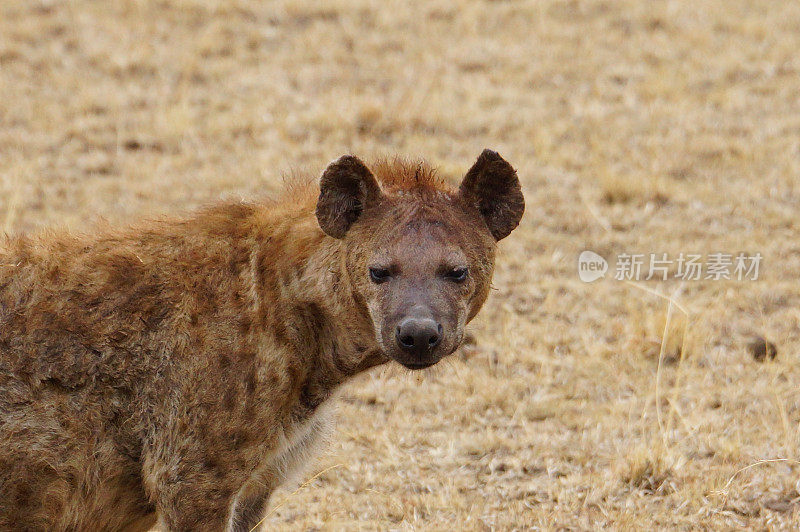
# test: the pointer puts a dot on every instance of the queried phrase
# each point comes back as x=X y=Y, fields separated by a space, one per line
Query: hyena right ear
x=346 y=187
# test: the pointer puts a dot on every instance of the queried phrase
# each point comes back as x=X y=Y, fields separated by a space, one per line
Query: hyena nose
x=418 y=335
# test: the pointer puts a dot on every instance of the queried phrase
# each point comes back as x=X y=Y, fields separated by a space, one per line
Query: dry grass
x=661 y=126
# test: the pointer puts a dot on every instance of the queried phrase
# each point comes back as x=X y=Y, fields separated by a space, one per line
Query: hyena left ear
x=493 y=187
x=345 y=189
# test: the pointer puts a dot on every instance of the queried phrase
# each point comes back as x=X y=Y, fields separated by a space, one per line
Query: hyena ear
x=345 y=189
x=493 y=187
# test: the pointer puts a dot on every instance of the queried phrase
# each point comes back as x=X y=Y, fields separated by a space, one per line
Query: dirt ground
x=636 y=126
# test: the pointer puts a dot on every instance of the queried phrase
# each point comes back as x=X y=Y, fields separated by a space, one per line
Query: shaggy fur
x=181 y=368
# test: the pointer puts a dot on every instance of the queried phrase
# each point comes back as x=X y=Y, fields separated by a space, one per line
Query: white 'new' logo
x=591 y=266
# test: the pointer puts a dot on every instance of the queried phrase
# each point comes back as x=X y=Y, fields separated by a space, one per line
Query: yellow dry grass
x=636 y=126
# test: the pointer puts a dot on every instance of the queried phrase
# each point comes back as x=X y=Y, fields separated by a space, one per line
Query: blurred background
x=664 y=126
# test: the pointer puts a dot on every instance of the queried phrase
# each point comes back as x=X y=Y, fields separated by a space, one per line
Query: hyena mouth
x=415 y=366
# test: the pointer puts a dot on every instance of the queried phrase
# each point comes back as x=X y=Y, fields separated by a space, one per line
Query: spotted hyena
x=182 y=368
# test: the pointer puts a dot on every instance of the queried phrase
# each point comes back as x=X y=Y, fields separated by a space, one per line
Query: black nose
x=418 y=335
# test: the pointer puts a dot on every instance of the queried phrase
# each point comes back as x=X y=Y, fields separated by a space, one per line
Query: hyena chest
x=300 y=442
x=296 y=447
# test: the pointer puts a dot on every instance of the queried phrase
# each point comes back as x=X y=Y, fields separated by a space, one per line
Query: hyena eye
x=456 y=275
x=379 y=275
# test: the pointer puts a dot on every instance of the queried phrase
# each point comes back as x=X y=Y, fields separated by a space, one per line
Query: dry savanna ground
x=637 y=127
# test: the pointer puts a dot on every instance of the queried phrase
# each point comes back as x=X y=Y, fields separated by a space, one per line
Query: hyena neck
x=345 y=336
x=313 y=303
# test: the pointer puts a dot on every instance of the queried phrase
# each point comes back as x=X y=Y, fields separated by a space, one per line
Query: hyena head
x=418 y=254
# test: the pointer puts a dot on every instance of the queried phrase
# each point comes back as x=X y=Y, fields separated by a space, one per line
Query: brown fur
x=181 y=368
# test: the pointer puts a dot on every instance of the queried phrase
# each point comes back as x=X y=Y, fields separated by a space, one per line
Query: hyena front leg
x=251 y=502
x=191 y=506
x=193 y=490
x=249 y=512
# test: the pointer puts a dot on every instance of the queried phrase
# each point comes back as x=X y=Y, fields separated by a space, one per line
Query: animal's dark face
x=419 y=257
x=424 y=277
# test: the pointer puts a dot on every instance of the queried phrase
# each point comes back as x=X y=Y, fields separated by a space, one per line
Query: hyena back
x=183 y=368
